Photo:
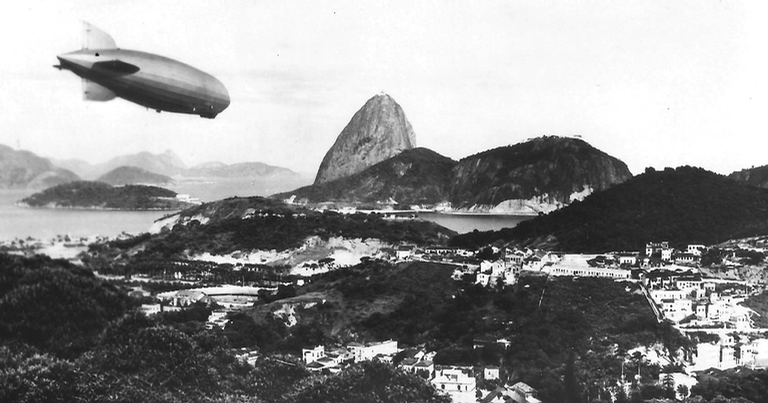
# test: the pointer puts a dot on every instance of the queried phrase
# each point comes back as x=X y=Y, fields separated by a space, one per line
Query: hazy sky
x=653 y=83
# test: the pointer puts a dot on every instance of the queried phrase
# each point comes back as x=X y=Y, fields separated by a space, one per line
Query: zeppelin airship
x=152 y=81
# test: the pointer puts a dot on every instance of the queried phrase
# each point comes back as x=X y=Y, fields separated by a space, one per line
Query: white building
x=523 y=393
x=364 y=352
x=696 y=249
x=457 y=384
x=491 y=372
x=677 y=309
x=627 y=258
x=589 y=272
x=312 y=354
x=755 y=354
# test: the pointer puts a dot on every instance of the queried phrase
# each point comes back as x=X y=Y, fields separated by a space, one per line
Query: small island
x=102 y=196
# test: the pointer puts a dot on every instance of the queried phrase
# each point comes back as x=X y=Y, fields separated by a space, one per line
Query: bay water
x=17 y=222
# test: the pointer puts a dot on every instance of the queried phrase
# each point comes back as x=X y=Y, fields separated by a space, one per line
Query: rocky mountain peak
x=378 y=131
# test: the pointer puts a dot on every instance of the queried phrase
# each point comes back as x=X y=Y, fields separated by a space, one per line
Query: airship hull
x=152 y=81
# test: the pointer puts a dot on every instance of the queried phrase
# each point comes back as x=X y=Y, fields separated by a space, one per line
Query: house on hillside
x=408 y=363
x=403 y=252
x=491 y=372
x=755 y=354
x=484 y=279
x=312 y=354
x=365 y=352
x=523 y=393
x=686 y=259
x=626 y=258
x=658 y=248
x=689 y=283
x=511 y=257
x=457 y=384
x=696 y=249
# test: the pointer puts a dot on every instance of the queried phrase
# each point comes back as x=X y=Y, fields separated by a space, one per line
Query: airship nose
x=223 y=95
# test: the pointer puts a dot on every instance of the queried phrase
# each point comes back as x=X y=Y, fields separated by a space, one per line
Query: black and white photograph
x=384 y=201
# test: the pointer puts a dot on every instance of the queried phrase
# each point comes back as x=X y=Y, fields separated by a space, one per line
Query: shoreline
x=93 y=208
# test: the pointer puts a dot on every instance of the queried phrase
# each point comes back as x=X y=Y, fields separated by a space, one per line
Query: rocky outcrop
x=549 y=171
x=23 y=169
x=378 y=131
x=752 y=176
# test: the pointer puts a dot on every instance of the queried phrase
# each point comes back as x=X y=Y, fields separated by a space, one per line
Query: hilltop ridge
x=24 y=169
x=415 y=176
x=528 y=178
x=683 y=205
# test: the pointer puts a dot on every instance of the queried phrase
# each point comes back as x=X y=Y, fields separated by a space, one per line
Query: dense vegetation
x=759 y=303
x=242 y=224
x=683 y=205
x=85 y=194
x=415 y=176
x=737 y=384
x=550 y=165
x=68 y=336
x=418 y=304
x=53 y=306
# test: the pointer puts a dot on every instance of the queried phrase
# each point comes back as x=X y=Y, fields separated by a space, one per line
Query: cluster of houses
x=333 y=359
x=730 y=351
x=687 y=298
x=458 y=382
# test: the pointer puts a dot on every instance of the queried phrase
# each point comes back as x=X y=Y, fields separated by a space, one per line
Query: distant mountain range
x=23 y=169
x=682 y=206
x=128 y=175
x=239 y=170
x=169 y=164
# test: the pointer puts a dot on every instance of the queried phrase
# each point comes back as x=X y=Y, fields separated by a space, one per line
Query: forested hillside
x=84 y=194
x=683 y=205
x=419 y=304
x=66 y=336
x=242 y=224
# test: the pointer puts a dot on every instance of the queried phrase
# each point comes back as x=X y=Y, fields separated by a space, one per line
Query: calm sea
x=16 y=222
x=462 y=223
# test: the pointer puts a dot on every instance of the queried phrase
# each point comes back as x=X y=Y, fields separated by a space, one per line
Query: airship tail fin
x=94 y=38
x=95 y=92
